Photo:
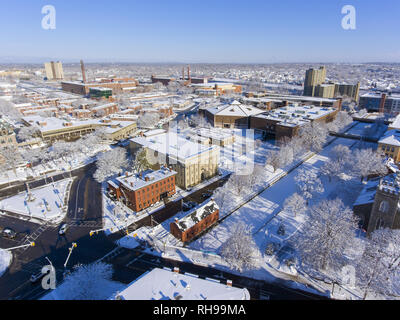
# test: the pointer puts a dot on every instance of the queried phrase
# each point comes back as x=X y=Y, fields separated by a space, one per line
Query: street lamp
x=32 y=244
x=74 y=245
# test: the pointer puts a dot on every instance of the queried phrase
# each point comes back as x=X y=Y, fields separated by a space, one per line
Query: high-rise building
x=54 y=70
x=325 y=90
x=315 y=86
x=348 y=90
x=314 y=77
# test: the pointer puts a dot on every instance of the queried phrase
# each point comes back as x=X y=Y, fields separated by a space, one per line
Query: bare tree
x=110 y=163
x=379 y=267
x=87 y=282
x=328 y=231
x=240 y=250
x=295 y=204
x=309 y=183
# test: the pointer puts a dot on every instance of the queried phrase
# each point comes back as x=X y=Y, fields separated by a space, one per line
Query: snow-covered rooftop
x=196 y=215
x=52 y=123
x=138 y=181
x=173 y=145
x=391 y=137
x=367 y=195
x=294 y=115
x=160 y=284
x=234 y=109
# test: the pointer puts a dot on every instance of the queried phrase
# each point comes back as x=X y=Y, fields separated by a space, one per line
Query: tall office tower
x=54 y=70
x=314 y=77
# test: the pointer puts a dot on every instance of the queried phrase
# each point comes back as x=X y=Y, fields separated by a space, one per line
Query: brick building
x=116 y=85
x=195 y=222
x=233 y=115
x=140 y=191
x=286 y=121
x=105 y=110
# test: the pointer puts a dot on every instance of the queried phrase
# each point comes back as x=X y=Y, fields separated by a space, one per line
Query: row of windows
x=147 y=203
x=162 y=190
x=156 y=185
x=388 y=148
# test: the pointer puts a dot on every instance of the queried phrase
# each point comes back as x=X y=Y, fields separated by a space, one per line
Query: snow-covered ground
x=5 y=260
x=47 y=203
x=244 y=152
x=368 y=129
x=263 y=208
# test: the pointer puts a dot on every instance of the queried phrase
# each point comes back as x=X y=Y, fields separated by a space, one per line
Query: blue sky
x=252 y=31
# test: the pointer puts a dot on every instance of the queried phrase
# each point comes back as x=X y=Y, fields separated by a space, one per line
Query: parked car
x=63 y=229
x=206 y=195
x=186 y=206
x=9 y=233
x=37 y=276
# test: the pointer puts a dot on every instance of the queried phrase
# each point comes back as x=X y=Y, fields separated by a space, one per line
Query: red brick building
x=140 y=191
x=195 y=222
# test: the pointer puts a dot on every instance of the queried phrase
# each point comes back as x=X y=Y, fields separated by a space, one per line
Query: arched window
x=384 y=206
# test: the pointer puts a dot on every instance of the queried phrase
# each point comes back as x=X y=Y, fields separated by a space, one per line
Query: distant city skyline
x=256 y=31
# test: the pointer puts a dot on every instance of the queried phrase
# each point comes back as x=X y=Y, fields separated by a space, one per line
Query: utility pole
x=74 y=245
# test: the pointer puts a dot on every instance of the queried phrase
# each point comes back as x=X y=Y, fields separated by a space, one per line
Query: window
x=380 y=224
x=384 y=206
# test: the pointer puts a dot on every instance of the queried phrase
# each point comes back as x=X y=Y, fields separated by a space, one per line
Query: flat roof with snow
x=235 y=109
x=161 y=284
x=173 y=145
x=135 y=182
x=294 y=115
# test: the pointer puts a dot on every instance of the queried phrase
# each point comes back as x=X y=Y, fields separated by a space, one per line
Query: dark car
x=186 y=206
x=206 y=195
x=9 y=233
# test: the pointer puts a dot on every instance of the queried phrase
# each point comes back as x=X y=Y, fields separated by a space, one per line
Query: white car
x=63 y=229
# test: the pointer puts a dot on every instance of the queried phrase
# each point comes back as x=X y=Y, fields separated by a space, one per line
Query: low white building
x=161 y=284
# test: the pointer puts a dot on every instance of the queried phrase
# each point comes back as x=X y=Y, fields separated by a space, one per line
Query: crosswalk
x=85 y=224
x=31 y=238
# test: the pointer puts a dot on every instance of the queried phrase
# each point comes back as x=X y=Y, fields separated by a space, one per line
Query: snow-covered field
x=46 y=203
x=5 y=260
x=259 y=211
